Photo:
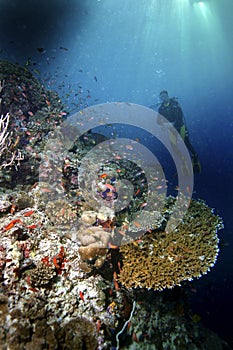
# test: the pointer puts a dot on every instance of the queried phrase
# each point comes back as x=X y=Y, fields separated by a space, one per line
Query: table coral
x=163 y=260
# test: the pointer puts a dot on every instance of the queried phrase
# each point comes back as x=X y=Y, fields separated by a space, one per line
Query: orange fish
x=62 y=211
x=13 y=209
x=137 y=224
x=55 y=262
x=98 y=325
x=134 y=337
x=11 y=224
x=45 y=190
x=103 y=176
x=81 y=295
x=31 y=227
x=28 y=213
x=143 y=205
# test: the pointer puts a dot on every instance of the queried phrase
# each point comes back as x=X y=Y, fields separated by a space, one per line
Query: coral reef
x=34 y=332
x=162 y=260
x=155 y=326
x=29 y=112
x=64 y=281
x=78 y=334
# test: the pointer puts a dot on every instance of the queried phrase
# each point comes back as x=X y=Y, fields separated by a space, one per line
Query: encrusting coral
x=163 y=260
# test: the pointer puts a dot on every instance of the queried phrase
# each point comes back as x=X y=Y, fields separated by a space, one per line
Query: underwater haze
x=98 y=51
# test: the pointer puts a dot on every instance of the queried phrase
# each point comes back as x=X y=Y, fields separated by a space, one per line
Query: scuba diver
x=170 y=109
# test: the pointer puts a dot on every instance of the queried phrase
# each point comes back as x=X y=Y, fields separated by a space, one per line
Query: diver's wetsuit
x=173 y=113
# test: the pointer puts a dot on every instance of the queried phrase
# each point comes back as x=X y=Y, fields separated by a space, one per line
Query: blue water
x=96 y=51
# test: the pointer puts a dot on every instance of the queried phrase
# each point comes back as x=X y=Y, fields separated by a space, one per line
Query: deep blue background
x=107 y=50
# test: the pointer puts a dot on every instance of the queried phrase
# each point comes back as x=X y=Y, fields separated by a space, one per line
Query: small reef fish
x=41 y=50
x=13 y=209
x=81 y=295
x=103 y=176
x=45 y=190
x=11 y=224
x=28 y=213
x=134 y=337
x=137 y=224
x=137 y=192
x=63 y=48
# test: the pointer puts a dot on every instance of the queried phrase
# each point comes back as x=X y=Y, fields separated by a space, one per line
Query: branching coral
x=8 y=155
